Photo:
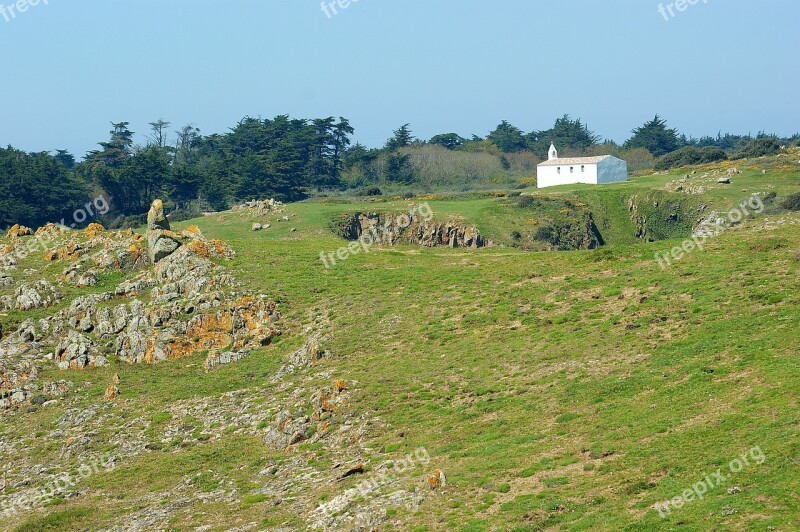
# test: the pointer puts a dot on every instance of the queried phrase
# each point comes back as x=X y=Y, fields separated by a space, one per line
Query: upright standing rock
x=156 y=218
x=160 y=240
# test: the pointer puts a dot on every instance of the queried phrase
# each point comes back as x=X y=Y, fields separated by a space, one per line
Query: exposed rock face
x=160 y=334
x=710 y=225
x=388 y=229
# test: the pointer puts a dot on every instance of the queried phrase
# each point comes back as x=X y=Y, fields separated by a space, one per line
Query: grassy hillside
x=555 y=390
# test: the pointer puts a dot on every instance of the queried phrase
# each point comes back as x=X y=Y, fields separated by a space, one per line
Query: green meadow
x=557 y=390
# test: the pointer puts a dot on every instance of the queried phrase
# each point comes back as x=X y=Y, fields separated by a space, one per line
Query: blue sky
x=70 y=67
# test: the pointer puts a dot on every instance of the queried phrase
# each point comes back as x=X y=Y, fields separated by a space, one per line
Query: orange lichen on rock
x=93 y=230
x=69 y=251
x=211 y=248
x=341 y=386
x=112 y=392
x=437 y=480
x=51 y=229
x=18 y=231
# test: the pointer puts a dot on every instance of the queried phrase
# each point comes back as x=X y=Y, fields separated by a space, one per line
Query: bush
x=369 y=191
x=525 y=201
x=759 y=148
x=181 y=215
x=792 y=202
x=690 y=156
x=126 y=222
x=547 y=233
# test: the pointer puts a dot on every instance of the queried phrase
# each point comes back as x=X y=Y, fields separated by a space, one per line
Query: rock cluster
x=181 y=305
x=385 y=229
x=39 y=294
x=262 y=207
x=18 y=231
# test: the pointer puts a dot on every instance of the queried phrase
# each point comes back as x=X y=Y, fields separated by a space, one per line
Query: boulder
x=160 y=245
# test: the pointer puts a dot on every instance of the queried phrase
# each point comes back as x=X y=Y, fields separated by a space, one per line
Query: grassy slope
x=570 y=389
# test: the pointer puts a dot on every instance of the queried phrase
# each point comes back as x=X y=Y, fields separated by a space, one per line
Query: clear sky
x=70 y=67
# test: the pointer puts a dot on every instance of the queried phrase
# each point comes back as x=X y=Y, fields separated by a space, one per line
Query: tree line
x=292 y=159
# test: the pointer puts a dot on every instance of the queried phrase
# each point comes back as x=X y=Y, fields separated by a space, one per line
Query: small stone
x=437 y=480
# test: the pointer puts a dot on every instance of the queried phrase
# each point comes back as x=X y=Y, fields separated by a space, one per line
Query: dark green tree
x=570 y=137
x=65 y=158
x=37 y=188
x=451 y=141
x=508 y=138
x=402 y=138
x=655 y=137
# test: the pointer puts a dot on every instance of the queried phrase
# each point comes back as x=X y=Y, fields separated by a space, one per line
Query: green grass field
x=556 y=390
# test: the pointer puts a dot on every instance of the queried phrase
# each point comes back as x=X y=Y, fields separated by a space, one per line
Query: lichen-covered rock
x=156 y=218
x=18 y=231
x=287 y=430
x=161 y=244
x=161 y=241
x=76 y=351
x=219 y=358
x=39 y=294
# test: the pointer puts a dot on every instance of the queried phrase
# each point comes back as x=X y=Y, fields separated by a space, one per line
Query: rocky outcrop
x=77 y=351
x=39 y=294
x=388 y=229
x=18 y=231
x=181 y=305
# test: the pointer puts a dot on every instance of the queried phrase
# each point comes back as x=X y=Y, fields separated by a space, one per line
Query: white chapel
x=570 y=170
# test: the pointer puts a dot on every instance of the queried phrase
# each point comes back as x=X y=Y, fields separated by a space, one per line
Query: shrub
x=690 y=156
x=546 y=233
x=125 y=222
x=181 y=215
x=369 y=191
x=759 y=148
x=792 y=202
x=525 y=201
